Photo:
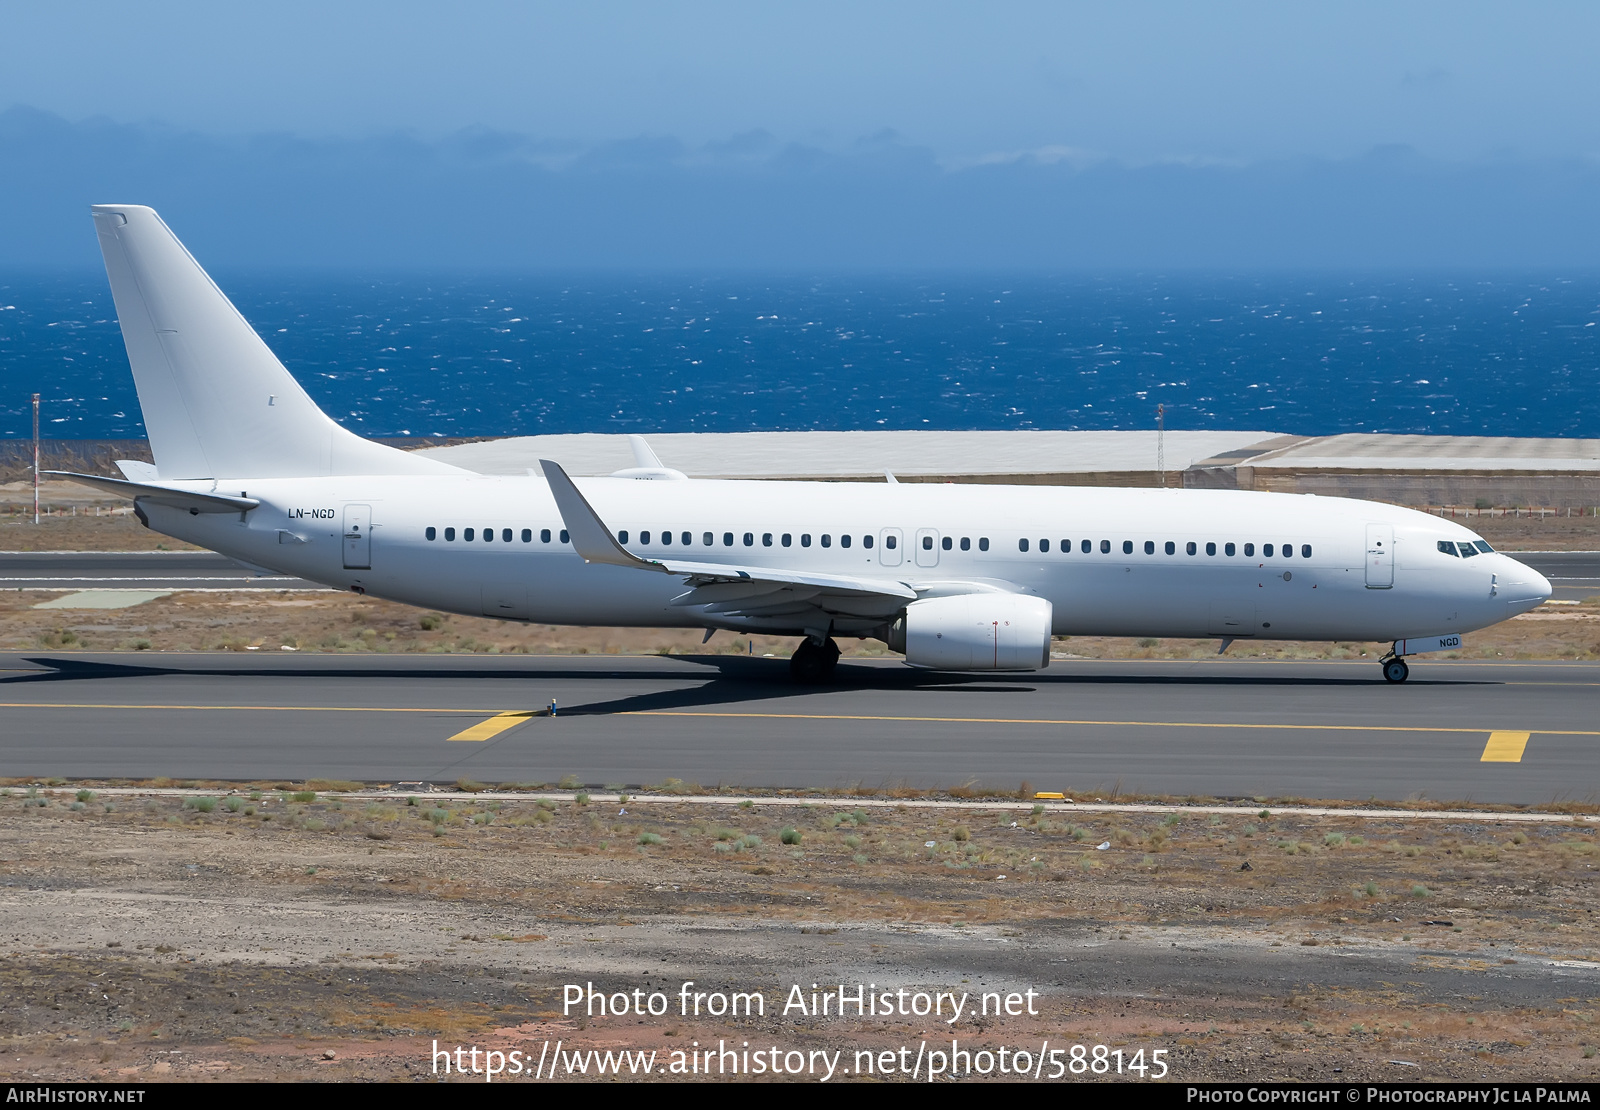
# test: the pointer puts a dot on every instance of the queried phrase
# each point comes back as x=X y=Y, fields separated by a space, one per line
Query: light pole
x=36 y=458
x=1161 y=444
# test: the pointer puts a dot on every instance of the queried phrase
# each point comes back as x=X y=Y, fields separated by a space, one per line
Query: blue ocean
x=489 y=355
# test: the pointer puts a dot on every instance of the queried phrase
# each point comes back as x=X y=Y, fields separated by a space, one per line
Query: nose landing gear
x=812 y=663
x=1395 y=669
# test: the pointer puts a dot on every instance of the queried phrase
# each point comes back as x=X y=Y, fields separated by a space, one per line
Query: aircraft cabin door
x=889 y=553
x=927 y=554
x=1380 y=556
x=357 y=537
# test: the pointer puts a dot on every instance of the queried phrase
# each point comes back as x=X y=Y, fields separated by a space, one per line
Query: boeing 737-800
x=955 y=577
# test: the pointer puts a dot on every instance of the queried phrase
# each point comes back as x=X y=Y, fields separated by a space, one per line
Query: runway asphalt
x=136 y=570
x=1222 y=728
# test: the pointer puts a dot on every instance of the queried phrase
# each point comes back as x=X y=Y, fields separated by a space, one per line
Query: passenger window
x=430 y=533
x=449 y=533
x=944 y=543
x=844 y=541
x=1149 y=547
x=983 y=543
x=1446 y=546
x=766 y=538
x=1086 y=546
x=827 y=540
x=544 y=535
x=1211 y=549
x=666 y=539
x=1066 y=547
x=686 y=539
x=708 y=539
x=527 y=535
x=1227 y=549
x=1189 y=547
x=488 y=535
x=467 y=533
x=644 y=536
x=1127 y=547
x=505 y=535
x=1305 y=551
x=1266 y=551
x=565 y=538
x=1022 y=545
x=890 y=542
x=749 y=539
x=1171 y=548
x=805 y=539
x=1044 y=545
x=1105 y=547
x=927 y=543
x=1288 y=551
x=622 y=536
x=727 y=539
x=966 y=543
x=866 y=541
x=787 y=539
x=1250 y=550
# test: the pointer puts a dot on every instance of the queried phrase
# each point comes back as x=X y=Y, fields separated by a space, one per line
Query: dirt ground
x=268 y=934
x=334 y=622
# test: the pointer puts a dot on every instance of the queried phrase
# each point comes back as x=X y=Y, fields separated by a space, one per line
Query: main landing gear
x=1395 y=669
x=812 y=663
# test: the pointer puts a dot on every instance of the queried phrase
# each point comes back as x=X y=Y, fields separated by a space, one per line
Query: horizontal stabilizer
x=136 y=471
x=162 y=495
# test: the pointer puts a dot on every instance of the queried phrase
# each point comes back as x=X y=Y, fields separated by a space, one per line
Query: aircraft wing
x=162 y=495
x=595 y=542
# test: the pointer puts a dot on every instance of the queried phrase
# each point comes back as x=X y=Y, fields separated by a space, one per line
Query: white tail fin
x=217 y=402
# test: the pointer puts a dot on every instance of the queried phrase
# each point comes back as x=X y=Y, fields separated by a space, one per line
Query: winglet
x=590 y=536
x=643 y=457
x=646 y=466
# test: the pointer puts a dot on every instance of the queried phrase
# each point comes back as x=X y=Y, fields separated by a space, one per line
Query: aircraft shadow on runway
x=738 y=679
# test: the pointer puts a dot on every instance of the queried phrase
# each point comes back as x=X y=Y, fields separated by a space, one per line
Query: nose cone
x=1523 y=587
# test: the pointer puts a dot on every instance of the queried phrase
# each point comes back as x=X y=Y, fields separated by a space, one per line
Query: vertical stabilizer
x=217 y=402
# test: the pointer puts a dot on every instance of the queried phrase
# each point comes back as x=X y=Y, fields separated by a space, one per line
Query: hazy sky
x=1133 y=81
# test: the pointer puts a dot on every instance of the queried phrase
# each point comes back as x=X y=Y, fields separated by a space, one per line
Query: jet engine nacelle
x=975 y=632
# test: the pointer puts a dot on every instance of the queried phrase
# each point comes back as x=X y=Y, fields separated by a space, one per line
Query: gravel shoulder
x=335 y=936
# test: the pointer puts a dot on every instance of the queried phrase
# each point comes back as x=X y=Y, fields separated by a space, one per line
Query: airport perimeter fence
x=1530 y=511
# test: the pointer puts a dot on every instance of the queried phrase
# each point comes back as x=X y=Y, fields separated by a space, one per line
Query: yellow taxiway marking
x=250 y=708
x=1103 y=724
x=508 y=719
x=1504 y=747
x=494 y=726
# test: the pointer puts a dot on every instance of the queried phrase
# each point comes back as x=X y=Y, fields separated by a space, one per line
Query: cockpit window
x=1466 y=549
x=1447 y=547
x=1483 y=548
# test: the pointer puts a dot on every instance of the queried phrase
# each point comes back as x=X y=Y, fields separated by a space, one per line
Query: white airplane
x=956 y=577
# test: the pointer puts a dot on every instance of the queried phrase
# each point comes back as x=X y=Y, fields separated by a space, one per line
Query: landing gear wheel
x=812 y=663
x=1395 y=670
